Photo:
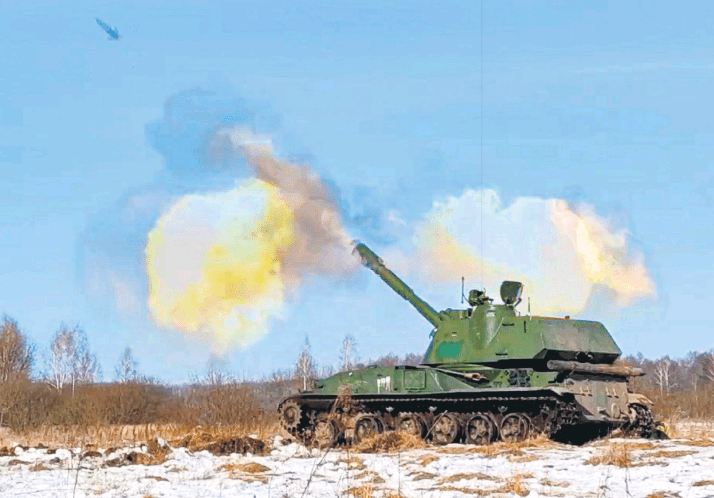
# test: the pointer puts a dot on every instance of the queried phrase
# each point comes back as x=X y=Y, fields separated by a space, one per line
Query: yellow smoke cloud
x=603 y=253
x=220 y=265
x=442 y=259
x=214 y=264
x=558 y=253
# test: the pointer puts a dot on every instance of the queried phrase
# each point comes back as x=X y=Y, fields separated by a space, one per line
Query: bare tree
x=16 y=355
x=663 y=375
x=305 y=368
x=69 y=361
x=126 y=368
x=704 y=369
x=348 y=353
x=216 y=372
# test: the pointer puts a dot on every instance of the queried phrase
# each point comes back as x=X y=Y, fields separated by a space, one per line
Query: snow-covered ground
x=678 y=467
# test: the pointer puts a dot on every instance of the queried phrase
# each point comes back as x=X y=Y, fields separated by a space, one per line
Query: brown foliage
x=221 y=445
x=617 y=454
x=16 y=355
x=390 y=441
x=26 y=406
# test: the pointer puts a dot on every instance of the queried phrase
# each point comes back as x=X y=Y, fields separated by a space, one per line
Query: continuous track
x=325 y=421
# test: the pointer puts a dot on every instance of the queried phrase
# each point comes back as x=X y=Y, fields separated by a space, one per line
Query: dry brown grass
x=663 y=494
x=467 y=476
x=522 y=458
x=422 y=476
x=704 y=483
x=467 y=491
x=252 y=467
x=354 y=463
x=457 y=450
x=155 y=455
x=498 y=448
x=371 y=476
x=617 y=454
x=639 y=445
x=705 y=442
x=390 y=441
x=249 y=472
x=670 y=453
x=427 y=459
x=108 y=436
x=38 y=467
x=557 y=484
x=516 y=485
x=363 y=491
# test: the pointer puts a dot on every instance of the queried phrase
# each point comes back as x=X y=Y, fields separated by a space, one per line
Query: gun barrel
x=374 y=263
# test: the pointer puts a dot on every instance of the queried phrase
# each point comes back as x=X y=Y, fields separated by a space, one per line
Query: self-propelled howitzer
x=489 y=373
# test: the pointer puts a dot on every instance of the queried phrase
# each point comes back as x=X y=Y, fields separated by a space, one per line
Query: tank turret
x=489 y=333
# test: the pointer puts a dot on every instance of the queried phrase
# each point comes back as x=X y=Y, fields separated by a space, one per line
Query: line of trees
x=66 y=389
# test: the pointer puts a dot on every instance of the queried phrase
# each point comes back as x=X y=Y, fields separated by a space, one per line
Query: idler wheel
x=480 y=429
x=446 y=428
x=327 y=433
x=411 y=423
x=367 y=426
x=515 y=427
x=290 y=415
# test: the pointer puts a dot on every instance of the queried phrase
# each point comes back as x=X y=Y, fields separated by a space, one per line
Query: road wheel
x=411 y=423
x=446 y=428
x=480 y=429
x=367 y=426
x=514 y=427
x=327 y=433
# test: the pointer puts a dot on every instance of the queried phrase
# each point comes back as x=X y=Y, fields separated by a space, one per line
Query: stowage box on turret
x=488 y=374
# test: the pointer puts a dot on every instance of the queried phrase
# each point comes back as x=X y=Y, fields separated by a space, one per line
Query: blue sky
x=607 y=104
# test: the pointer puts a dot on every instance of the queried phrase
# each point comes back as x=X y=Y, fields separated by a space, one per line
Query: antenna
x=529 y=305
x=481 y=147
x=462 y=290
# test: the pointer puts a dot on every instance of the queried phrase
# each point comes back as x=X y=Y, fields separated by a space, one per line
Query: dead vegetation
x=616 y=454
x=388 y=442
x=557 y=484
x=219 y=443
x=427 y=459
x=703 y=483
x=513 y=484
x=352 y=462
x=363 y=491
x=370 y=476
x=422 y=476
x=467 y=476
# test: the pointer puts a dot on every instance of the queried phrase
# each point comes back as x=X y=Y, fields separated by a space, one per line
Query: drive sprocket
x=291 y=415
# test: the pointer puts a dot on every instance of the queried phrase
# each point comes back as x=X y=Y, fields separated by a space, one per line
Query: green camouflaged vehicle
x=488 y=374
